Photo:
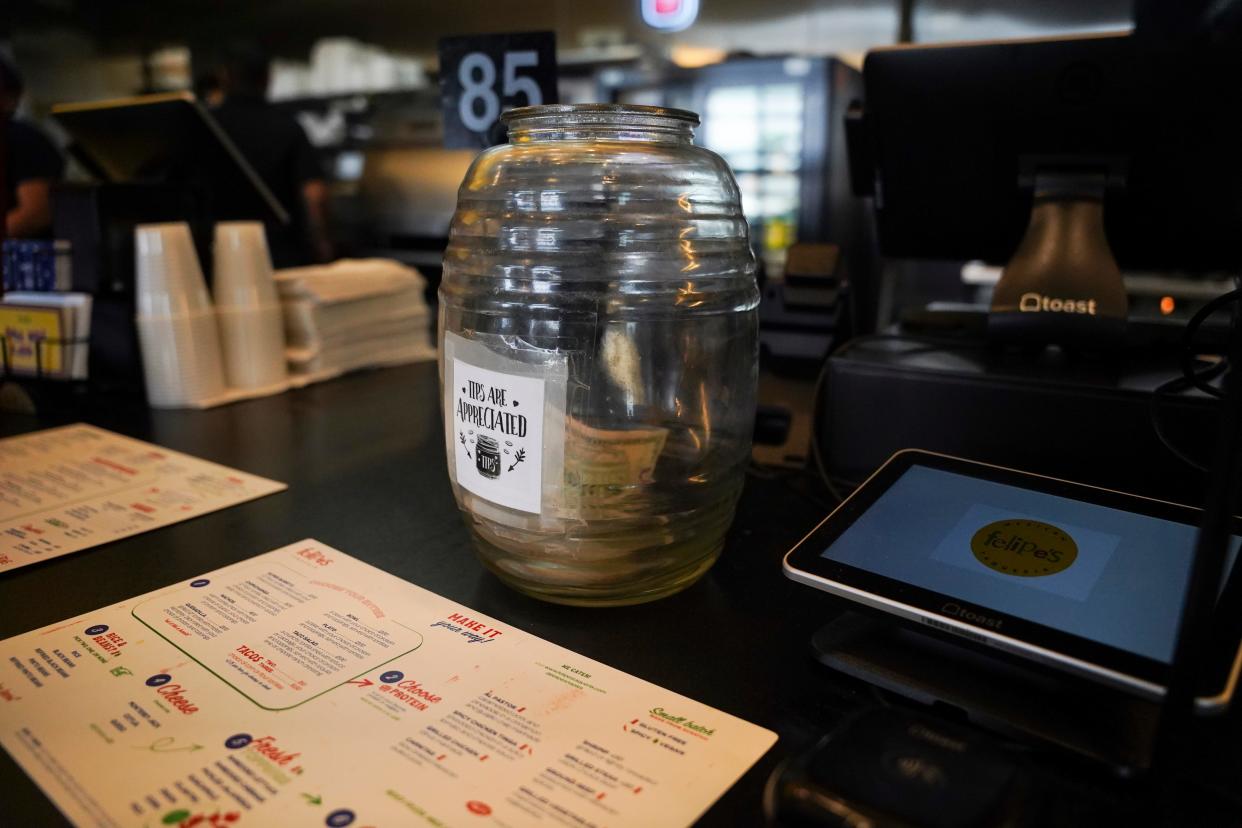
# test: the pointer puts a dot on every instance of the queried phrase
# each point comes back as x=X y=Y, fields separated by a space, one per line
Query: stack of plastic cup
x=251 y=324
x=176 y=323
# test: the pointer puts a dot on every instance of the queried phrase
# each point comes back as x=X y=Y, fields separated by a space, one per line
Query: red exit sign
x=670 y=15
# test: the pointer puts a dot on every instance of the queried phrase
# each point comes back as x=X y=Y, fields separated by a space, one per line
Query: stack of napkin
x=353 y=313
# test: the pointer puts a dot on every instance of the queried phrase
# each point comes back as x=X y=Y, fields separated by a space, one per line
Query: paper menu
x=70 y=488
x=316 y=690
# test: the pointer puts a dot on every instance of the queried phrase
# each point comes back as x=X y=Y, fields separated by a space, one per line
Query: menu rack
x=45 y=392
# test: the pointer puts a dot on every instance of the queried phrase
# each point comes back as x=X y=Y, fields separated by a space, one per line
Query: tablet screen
x=1107 y=575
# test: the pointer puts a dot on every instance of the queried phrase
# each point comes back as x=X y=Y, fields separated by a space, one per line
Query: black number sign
x=482 y=75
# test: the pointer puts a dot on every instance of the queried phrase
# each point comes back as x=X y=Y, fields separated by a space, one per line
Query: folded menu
x=304 y=687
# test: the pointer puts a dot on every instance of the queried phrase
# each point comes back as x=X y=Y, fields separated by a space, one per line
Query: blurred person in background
x=31 y=164
x=275 y=145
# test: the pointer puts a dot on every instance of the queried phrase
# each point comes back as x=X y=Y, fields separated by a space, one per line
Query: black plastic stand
x=1104 y=725
x=1062 y=284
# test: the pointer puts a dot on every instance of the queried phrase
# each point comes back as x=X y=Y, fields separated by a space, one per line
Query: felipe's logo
x=1025 y=548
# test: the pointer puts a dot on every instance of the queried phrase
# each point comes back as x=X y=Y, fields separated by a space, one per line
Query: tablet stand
x=1174 y=740
x=1046 y=706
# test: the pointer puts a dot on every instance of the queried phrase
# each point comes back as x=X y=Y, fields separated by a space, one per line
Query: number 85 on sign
x=483 y=75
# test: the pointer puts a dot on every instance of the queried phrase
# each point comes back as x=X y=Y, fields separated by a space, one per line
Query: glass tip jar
x=599 y=353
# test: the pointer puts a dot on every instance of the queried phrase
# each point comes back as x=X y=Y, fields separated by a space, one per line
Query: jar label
x=497 y=422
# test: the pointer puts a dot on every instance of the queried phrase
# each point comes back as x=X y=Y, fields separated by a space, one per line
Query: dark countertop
x=364 y=459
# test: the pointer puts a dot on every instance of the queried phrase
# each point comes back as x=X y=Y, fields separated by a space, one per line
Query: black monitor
x=168 y=137
x=961 y=144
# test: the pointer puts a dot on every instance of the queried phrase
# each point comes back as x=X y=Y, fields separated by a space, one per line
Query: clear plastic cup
x=168 y=277
x=251 y=326
x=181 y=359
x=243 y=267
x=253 y=340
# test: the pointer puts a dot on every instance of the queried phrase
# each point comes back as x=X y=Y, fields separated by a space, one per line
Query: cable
x=824 y=477
x=1176 y=386
x=1192 y=376
x=786 y=477
x=1188 y=337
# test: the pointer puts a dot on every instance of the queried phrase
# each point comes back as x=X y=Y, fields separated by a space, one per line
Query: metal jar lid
x=598 y=113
